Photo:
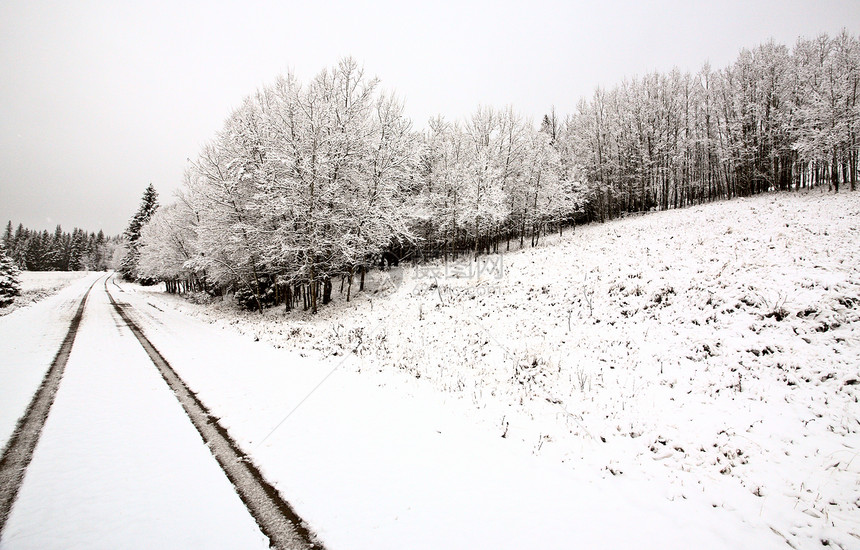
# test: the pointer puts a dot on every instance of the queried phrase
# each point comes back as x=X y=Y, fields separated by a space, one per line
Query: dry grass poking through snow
x=713 y=350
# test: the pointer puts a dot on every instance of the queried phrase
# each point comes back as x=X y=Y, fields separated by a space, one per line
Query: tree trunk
x=852 y=159
x=326 y=298
x=834 y=172
x=305 y=303
x=313 y=284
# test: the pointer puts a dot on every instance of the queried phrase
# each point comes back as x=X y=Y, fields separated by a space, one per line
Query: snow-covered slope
x=711 y=353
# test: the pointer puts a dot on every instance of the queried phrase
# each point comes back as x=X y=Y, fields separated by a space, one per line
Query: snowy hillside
x=712 y=351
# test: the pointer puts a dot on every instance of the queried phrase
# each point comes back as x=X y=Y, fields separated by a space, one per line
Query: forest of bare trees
x=309 y=184
x=777 y=119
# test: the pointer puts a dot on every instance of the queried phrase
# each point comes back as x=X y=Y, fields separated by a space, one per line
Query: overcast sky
x=98 y=99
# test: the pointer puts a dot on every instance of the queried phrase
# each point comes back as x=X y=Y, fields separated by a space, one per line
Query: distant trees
x=774 y=120
x=826 y=119
x=309 y=183
x=148 y=206
x=490 y=179
x=58 y=251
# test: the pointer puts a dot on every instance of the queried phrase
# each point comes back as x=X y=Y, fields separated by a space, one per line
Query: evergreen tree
x=10 y=285
x=77 y=250
x=148 y=206
x=35 y=252
x=57 y=253
x=7 y=236
x=18 y=251
x=99 y=261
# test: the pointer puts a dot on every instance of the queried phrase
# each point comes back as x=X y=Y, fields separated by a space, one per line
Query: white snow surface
x=371 y=464
x=683 y=379
x=50 y=280
x=38 y=285
x=118 y=464
x=678 y=379
x=29 y=340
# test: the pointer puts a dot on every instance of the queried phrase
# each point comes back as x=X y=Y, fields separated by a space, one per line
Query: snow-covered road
x=367 y=466
x=371 y=464
x=118 y=464
x=29 y=339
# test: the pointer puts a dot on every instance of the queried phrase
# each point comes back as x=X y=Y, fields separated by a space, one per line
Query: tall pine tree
x=7 y=236
x=10 y=285
x=77 y=249
x=148 y=206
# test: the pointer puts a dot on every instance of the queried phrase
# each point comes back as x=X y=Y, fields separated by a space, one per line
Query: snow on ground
x=49 y=280
x=705 y=360
x=38 y=285
x=402 y=465
x=29 y=340
x=118 y=464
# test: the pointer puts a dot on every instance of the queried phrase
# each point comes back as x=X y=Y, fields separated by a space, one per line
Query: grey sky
x=98 y=99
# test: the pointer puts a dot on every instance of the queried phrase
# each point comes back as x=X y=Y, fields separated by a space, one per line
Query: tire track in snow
x=19 y=450
x=275 y=517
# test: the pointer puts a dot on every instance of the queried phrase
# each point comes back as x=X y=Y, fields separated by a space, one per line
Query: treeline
x=309 y=184
x=58 y=251
x=303 y=184
x=776 y=119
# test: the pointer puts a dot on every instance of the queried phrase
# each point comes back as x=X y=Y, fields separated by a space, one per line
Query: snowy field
x=38 y=285
x=701 y=363
x=49 y=281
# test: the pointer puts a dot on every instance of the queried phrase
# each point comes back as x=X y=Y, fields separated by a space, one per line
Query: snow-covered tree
x=168 y=247
x=10 y=284
x=219 y=191
x=77 y=250
x=309 y=181
x=304 y=183
x=549 y=199
x=441 y=174
x=8 y=235
x=493 y=178
x=774 y=119
x=483 y=193
x=339 y=155
x=148 y=206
